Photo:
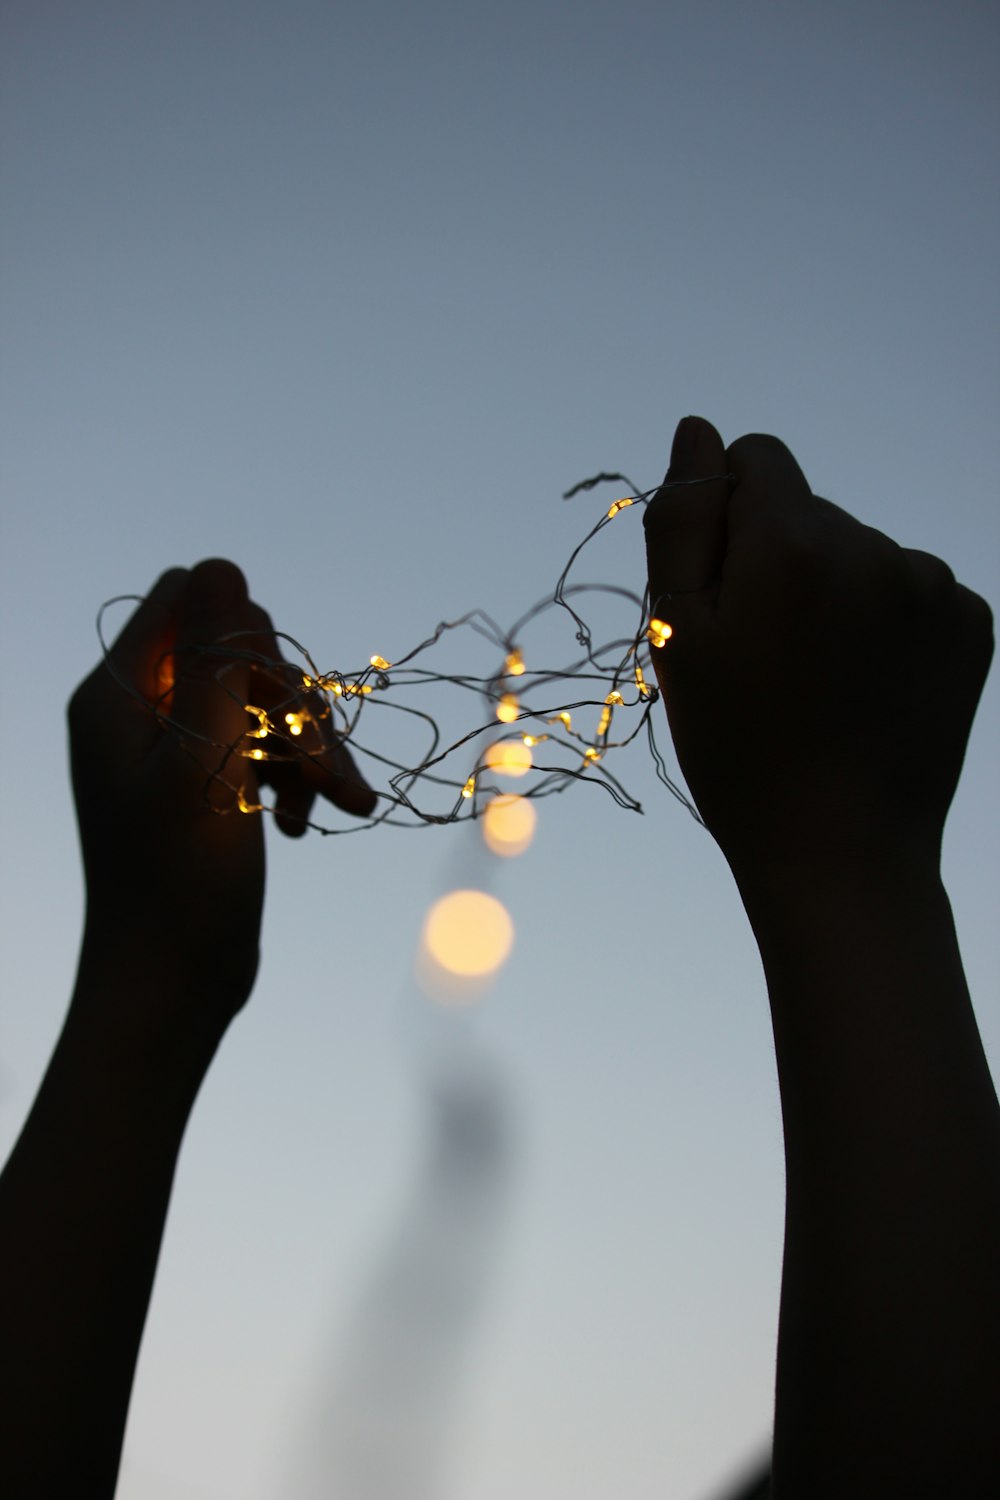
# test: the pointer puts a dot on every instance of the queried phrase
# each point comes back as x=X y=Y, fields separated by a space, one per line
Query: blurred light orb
x=509 y=825
x=508 y=757
x=468 y=933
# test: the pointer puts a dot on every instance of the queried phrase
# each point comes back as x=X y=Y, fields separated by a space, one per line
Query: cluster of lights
x=312 y=710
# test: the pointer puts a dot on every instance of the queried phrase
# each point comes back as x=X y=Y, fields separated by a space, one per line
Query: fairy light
x=263 y=722
x=618 y=505
x=335 y=702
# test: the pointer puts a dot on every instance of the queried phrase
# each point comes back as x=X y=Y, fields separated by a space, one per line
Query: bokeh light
x=508 y=757
x=508 y=825
x=467 y=937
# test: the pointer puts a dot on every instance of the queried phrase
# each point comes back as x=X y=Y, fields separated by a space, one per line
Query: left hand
x=174 y=872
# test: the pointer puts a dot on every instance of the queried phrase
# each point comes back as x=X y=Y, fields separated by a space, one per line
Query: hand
x=174 y=871
x=821 y=681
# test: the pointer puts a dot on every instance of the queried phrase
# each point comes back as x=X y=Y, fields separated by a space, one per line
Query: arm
x=821 y=684
x=169 y=955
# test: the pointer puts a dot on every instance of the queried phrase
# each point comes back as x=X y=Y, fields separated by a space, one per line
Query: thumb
x=685 y=526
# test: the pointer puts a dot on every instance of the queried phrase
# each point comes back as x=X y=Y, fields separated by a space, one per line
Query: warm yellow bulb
x=529 y=740
x=508 y=757
x=659 y=633
x=263 y=723
x=307 y=681
x=245 y=806
x=469 y=787
x=644 y=688
x=256 y=755
x=509 y=825
x=591 y=754
x=508 y=708
x=294 y=722
x=514 y=665
x=380 y=663
x=614 y=698
x=605 y=723
x=468 y=933
x=618 y=505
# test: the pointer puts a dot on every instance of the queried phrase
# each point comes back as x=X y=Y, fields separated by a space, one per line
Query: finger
x=143 y=644
x=336 y=777
x=212 y=671
x=293 y=797
x=686 y=526
x=323 y=765
x=768 y=493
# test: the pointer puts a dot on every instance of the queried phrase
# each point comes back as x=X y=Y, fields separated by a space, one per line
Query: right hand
x=821 y=681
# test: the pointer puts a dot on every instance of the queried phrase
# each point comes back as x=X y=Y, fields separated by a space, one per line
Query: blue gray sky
x=351 y=293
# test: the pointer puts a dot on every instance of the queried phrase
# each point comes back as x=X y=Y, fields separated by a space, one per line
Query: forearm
x=889 y=1341
x=83 y=1201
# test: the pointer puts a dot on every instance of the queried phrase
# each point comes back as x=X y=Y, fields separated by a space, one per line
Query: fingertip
x=697 y=448
x=761 y=457
x=218 y=581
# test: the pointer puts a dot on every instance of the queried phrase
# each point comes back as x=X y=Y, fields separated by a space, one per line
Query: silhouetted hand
x=821 y=681
x=175 y=874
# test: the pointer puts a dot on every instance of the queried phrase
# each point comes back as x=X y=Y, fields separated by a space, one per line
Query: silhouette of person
x=820 y=685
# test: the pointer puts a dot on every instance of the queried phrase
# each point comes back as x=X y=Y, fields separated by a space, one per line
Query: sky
x=352 y=294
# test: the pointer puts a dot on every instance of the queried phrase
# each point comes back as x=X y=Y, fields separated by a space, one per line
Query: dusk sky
x=352 y=294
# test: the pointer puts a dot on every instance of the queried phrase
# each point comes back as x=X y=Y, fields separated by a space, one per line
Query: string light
x=332 y=704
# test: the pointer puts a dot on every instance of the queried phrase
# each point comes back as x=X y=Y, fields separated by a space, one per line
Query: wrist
x=146 y=1009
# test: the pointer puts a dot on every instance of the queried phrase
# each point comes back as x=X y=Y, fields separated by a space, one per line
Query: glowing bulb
x=263 y=723
x=618 y=505
x=359 y=689
x=508 y=757
x=245 y=806
x=380 y=663
x=605 y=723
x=256 y=754
x=294 y=722
x=659 y=633
x=564 y=718
x=469 y=787
x=614 y=698
x=307 y=681
x=529 y=740
x=468 y=933
x=509 y=825
x=645 y=690
x=591 y=754
x=514 y=665
x=508 y=708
